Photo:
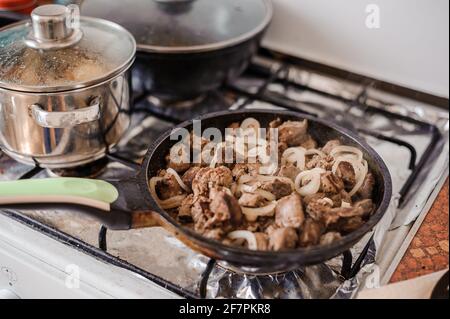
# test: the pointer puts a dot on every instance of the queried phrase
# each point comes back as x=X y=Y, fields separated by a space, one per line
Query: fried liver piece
x=283 y=238
x=168 y=187
x=226 y=205
x=366 y=190
x=189 y=175
x=262 y=241
x=289 y=211
x=207 y=178
x=330 y=183
x=290 y=171
x=277 y=187
x=346 y=172
x=330 y=238
x=293 y=133
x=252 y=200
x=310 y=233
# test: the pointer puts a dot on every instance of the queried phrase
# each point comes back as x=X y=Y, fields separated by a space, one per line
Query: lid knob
x=54 y=27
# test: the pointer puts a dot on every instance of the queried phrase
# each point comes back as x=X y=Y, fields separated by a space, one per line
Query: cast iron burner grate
x=181 y=111
x=91 y=170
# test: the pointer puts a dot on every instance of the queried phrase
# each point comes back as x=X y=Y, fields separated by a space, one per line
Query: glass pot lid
x=58 y=51
x=180 y=26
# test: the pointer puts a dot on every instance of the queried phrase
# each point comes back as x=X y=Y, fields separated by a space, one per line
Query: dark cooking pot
x=188 y=47
x=128 y=204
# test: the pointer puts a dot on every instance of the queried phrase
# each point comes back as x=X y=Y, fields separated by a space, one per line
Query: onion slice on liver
x=342 y=149
x=314 y=151
x=312 y=178
x=250 y=123
x=294 y=155
x=268 y=169
x=345 y=205
x=215 y=159
x=361 y=176
x=250 y=189
x=170 y=203
x=359 y=167
x=171 y=171
x=244 y=179
x=252 y=214
x=247 y=235
x=329 y=201
x=251 y=127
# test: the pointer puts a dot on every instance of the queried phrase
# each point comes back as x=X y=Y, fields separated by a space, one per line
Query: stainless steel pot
x=64 y=87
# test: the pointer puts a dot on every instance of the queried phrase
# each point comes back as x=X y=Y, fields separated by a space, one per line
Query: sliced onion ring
x=170 y=203
x=345 y=205
x=313 y=186
x=343 y=149
x=294 y=155
x=171 y=171
x=268 y=169
x=247 y=235
x=360 y=180
x=315 y=151
x=250 y=123
x=215 y=159
x=360 y=169
x=252 y=214
x=250 y=189
x=329 y=201
x=244 y=179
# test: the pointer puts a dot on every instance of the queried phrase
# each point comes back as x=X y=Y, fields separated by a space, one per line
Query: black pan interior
x=322 y=132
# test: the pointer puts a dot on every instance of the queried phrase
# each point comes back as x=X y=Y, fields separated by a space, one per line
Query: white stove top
x=38 y=264
x=33 y=265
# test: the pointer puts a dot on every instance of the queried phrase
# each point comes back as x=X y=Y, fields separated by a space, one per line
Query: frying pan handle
x=85 y=192
x=117 y=204
x=132 y=200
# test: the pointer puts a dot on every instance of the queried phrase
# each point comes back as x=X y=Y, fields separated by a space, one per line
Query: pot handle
x=66 y=119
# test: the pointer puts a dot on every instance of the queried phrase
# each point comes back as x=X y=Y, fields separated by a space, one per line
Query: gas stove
x=73 y=256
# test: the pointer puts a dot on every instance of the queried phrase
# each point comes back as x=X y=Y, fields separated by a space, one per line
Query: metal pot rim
x=92 y=84
x=72 y=87
x=212 y=46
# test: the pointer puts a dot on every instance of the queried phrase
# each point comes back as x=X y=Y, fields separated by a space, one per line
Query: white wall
x=411 y=47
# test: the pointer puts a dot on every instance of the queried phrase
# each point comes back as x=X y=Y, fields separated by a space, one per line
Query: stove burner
x=90 y=170
x=223 y=283
x=240 y=271
x=176 y=104
x=183 y=110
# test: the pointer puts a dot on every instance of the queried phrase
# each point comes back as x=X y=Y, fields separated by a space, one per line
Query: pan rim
x=296 y=254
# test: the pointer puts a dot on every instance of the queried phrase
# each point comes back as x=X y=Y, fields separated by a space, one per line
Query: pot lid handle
x=54 y=27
